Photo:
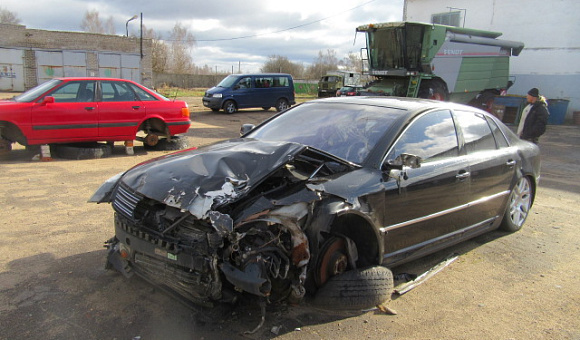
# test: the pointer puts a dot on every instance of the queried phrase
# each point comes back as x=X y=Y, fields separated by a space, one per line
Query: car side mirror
x=403 y=160
x=246 y=128
x=47 y=100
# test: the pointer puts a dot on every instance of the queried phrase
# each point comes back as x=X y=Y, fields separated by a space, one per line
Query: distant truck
x=412 y=59
x=333 y=81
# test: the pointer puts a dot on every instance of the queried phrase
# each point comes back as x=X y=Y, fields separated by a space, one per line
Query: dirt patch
x=53 y=284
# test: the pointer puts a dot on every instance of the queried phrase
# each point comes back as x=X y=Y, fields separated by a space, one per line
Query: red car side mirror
x=47 y=100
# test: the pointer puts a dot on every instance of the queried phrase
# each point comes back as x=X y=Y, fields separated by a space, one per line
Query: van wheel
x=230 y=107
x=281 y=105
x=266 y=108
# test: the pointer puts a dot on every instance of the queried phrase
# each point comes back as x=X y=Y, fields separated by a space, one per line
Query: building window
x=447 y=18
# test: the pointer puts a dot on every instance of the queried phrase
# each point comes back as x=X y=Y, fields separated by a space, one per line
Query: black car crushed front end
x=208 y=224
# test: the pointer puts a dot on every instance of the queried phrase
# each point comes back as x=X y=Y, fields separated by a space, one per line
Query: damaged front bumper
x=205 y=262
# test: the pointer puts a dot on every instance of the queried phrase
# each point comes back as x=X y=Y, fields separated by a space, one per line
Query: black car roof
x=402 y=103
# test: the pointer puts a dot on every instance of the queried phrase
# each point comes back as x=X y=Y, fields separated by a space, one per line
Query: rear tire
x=356 y=289
x=281 y=105
x=518 y=206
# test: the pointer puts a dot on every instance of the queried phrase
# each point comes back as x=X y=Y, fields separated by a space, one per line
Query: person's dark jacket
x=535 y=124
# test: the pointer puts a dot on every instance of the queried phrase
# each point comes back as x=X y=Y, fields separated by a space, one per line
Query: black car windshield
x=228 y=81
x=37 y=91
x=348 y=131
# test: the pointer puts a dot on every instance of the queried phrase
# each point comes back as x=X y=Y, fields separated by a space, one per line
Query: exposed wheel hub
x=151 y=139
x=333 y=260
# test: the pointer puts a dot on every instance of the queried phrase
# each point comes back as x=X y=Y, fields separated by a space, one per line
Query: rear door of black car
x=424 y=205
x=492 y=163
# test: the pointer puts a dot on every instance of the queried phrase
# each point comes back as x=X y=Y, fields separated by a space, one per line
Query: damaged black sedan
x=319 y=201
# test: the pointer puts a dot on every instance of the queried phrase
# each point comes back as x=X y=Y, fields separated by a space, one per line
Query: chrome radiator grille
x=126 y=201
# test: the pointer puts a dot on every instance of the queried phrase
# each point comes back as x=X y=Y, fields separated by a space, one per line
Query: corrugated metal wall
x=52 y=64
x=11 y=70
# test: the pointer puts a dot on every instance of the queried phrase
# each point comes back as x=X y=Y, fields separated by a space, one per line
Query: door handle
x=463 y=175
x=136 y=107
x=511 y=163
x=89 y=108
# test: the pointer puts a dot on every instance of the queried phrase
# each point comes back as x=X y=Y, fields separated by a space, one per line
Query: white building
x=550 y=30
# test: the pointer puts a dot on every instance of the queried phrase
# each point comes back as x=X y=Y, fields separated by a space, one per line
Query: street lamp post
x=127 y=24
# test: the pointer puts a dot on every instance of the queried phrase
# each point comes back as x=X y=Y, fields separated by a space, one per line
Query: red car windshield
x=35 y=92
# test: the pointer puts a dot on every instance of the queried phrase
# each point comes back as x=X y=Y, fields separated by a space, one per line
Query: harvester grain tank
x=412 y=59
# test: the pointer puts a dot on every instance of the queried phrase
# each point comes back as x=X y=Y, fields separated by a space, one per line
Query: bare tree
x=7 y=17
x=110 y=26
x=352 y=62
x=205 y=69
x=323 y=64
x=180 y=51
x=278 y=63
x=159 y=50
x=92 y=23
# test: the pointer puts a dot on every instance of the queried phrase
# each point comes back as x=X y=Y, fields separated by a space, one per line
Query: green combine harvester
x=411 y=59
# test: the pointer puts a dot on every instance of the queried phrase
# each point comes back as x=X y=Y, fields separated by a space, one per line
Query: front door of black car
x=423 y=205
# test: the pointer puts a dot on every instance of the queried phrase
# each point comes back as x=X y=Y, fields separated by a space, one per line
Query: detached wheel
x=518 y=206
x=5 y=146
x=81 y=150
x=168 y=144
x=356 y=289
x=230 y=107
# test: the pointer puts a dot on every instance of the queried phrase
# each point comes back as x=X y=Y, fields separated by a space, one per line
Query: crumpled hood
x=196 y=179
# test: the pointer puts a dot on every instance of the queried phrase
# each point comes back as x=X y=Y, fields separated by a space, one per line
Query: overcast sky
x=296 y=29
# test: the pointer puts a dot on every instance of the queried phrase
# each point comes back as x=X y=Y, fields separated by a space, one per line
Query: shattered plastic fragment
x=222 y=223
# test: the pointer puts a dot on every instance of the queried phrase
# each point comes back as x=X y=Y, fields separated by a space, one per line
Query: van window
x=245 y=83
x=272 y=81
x=262 y=82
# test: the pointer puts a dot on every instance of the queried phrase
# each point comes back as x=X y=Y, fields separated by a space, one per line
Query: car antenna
x=175 y=95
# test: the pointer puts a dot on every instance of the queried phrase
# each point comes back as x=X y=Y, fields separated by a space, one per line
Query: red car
x=73 y=110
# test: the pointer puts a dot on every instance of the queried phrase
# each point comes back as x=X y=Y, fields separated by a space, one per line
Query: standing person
x=534 y=117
